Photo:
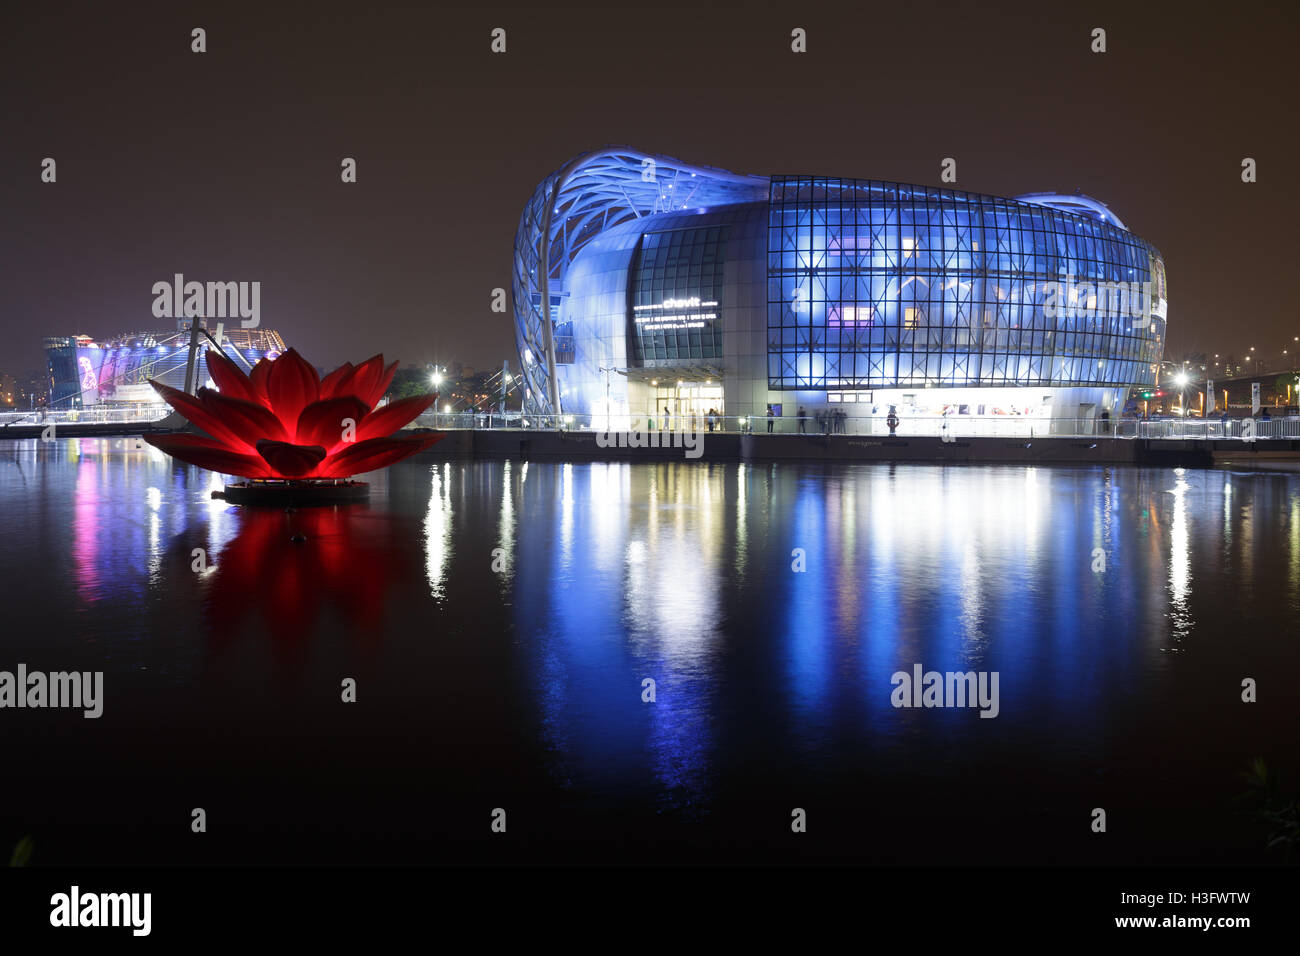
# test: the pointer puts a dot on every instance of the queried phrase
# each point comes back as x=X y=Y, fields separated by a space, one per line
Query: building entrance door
x=689 y=404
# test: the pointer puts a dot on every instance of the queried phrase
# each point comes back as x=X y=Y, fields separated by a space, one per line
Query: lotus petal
x=329 y=385
x=321 y=423
x=257 y=378
x=374 y=454
x=228 y=378
x=292 y=385
x=389 y=418
x=199 y=414
x=364 y=378
x=290 y=461
x=377 y=392
x=252 y=421
x=210 y=454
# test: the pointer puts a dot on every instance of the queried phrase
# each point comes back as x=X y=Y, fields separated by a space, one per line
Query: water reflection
x=1180 y=566
x=437 y=528
x=292 y=570
x=614 y=573
x=646 y=571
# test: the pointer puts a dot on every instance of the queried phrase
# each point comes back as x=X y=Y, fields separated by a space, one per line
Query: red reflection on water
x=343 y=566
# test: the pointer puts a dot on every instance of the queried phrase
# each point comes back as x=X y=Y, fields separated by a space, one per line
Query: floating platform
x=295 y=494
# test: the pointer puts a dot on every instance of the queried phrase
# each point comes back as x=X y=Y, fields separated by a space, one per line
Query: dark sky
x=225 y=165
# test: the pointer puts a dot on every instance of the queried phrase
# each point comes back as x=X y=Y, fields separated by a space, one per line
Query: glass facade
x=676 y=295
x=874 y=284
x=628 y=265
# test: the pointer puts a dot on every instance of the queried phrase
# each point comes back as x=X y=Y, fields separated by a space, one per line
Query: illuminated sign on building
x=673 y=315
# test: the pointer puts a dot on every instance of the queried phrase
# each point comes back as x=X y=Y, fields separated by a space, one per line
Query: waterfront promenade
x=1194 y=442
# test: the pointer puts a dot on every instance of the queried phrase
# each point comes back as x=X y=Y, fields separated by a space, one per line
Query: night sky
x=224 y=166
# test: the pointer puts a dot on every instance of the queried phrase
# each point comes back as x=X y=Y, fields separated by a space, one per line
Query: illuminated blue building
x=642 y=283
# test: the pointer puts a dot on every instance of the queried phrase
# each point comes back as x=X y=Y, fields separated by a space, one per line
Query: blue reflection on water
x=959 y=569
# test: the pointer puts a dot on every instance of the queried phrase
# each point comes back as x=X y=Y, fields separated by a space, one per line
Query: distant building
x=85 y=372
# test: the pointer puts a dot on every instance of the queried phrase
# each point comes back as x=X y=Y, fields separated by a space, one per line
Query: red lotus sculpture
x=284 y=422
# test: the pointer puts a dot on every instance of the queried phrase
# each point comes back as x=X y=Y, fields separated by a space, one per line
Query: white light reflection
x=437 y=529
x=1227 y=515
x=1031 y=505
x=1180 y=565
x=672 y=593
x=672 y=588
x=607 y=499
x=222 y=518
x=742 y=502
x=566 y=516
x=974 y=639
x=506 y=523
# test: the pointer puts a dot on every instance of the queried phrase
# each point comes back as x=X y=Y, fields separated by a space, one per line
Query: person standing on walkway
x=803 y=420
x=771 y=420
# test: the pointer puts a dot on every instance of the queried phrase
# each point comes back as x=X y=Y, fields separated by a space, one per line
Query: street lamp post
x=609 y=406
x=1181 y=381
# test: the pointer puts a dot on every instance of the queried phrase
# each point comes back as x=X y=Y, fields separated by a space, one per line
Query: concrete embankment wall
x=83 y=430
x=582 y=446
x=719 y=446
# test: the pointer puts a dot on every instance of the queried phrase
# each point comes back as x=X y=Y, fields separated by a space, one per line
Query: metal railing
x=952 y=426
x=1216 y=428
x=132 y=414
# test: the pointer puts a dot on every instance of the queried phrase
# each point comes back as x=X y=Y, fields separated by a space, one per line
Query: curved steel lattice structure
x=868 y=285
x=1077 y=203
x=591 y=193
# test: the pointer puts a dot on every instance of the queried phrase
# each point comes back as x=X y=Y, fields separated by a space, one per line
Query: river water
x=501 y=621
